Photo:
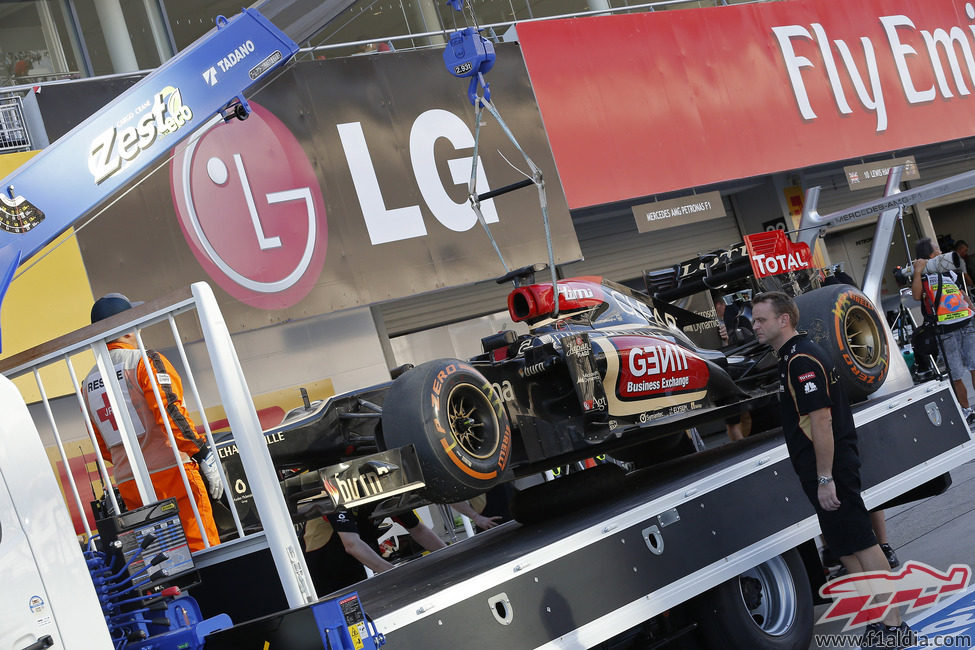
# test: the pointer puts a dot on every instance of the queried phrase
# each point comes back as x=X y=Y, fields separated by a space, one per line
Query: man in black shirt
x=821 y=438
x=337 y=561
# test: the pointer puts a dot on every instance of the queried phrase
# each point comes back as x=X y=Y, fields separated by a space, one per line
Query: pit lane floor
x=939 y=531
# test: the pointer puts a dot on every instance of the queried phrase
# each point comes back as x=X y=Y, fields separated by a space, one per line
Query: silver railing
x=278 y=533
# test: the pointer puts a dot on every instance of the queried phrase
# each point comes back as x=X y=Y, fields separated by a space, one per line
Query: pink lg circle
x=251 y=209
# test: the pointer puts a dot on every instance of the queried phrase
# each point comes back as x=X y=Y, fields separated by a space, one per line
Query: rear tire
x=845 y=323
x=770 y=606
x=460 y=430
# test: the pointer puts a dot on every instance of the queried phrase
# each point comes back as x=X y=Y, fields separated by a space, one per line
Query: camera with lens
x=944 y=263
x=904 y=275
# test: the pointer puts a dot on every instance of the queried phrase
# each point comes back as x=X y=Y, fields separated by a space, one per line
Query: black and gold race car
x=609 y=372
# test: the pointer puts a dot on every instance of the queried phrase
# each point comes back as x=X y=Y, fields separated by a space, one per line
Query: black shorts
x=331 y=568
x=847 y=529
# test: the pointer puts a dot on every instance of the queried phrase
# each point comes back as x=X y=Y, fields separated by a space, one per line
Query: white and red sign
x=650 y=367
x=668 y=100
x=251 y=209
x=772 y=252
x=863 y=598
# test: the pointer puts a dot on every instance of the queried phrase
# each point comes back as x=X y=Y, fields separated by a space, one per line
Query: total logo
x=119 y=144
x=250 y=207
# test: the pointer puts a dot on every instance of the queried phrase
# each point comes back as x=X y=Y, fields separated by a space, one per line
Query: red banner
x=772 y=253
x=655 y=102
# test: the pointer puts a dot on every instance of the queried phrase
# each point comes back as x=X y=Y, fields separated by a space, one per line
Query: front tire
x=769 y=606
x=847 y=325
x=460 y=430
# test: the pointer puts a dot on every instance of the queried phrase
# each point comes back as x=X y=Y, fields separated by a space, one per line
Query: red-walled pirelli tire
x=450 y=413
x=845 y=323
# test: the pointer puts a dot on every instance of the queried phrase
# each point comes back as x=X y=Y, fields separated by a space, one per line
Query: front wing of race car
x=354 y=482
x=350 y=483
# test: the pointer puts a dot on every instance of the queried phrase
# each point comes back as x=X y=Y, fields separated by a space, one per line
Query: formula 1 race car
x=611 y=371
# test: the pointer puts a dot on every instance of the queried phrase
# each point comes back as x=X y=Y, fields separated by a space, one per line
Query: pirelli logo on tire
x=860 y=338
x=471 y=421
x=852 y=331
x=456 y=422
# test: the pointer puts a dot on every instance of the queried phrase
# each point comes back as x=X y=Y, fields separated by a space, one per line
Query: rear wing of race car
x=707 y=270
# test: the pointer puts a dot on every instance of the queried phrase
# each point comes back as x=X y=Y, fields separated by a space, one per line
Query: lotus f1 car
x=610 y=372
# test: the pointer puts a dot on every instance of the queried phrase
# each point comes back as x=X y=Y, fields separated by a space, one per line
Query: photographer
x=961 y=247
x=942 y=301
x=734 y=317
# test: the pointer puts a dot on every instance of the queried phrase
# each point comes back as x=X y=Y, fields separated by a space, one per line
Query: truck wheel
x=769 y=606
x=449 y=412
x=846 y=324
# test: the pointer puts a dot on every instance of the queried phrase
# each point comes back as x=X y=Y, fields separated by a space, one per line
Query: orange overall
x=150 y=429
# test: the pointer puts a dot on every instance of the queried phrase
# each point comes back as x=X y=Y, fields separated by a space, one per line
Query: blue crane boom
x=96 y=159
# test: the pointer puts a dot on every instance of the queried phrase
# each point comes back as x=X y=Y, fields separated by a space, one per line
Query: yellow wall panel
x=59 y=282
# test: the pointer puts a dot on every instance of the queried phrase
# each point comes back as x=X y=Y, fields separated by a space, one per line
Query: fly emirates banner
x=661 y=101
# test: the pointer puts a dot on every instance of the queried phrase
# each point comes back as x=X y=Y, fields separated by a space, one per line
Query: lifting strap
x=468 y=54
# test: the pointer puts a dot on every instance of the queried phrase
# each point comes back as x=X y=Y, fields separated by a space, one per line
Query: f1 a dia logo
x=210 y=76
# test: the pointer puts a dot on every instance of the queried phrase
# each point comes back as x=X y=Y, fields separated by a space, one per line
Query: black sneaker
x=891 y=556
x=899 y=636
x=873 y=636
x=836 y=572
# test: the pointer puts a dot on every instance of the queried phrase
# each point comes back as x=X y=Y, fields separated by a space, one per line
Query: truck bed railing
x=63 y=354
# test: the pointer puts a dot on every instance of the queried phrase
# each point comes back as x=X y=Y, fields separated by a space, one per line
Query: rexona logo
x=166 y=114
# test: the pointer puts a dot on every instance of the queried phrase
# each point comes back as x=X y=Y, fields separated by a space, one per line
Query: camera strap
x=931 y=317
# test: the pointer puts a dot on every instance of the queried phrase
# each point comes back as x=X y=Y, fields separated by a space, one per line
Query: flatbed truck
x=713 y=537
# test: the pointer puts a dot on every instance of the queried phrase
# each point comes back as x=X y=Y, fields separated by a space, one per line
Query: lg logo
x=250 y=205
x=394 y=224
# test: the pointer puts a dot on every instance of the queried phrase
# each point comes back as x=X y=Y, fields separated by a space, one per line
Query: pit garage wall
x=347 y=186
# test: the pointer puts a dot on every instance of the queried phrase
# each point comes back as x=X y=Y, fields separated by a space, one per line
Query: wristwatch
x=824 y=480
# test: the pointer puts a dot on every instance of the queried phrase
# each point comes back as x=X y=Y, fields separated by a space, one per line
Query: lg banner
x=346 y=186
x=661 y=101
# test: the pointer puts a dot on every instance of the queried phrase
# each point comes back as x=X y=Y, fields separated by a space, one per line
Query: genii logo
x=650 y=367
x=251 y=209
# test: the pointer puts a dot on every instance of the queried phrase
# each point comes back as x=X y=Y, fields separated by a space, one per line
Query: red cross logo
x=105 y=414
